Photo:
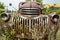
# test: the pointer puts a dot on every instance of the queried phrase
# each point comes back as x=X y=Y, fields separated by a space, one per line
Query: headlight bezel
x=5 y=16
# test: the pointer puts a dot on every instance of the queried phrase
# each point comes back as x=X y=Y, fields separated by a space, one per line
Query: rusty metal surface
x=33 y=27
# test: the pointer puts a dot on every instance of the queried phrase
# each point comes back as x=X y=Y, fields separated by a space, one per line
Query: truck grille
x=32 y=27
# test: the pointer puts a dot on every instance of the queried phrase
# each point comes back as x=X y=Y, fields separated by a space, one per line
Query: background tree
x=2 y=8
x=48 y=10
x=28 y=0
x=39 y=1
x=35 y=0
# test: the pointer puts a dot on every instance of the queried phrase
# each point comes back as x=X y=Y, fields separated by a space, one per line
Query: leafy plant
x=2 y=8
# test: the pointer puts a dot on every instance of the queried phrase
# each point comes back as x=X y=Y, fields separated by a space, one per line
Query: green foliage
x=58 y=11
x=39 y=1
x=47 y=11
x=1 y=8
x=9 y=31
x=28 y=0
x=50 y=9
x=36 y=0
